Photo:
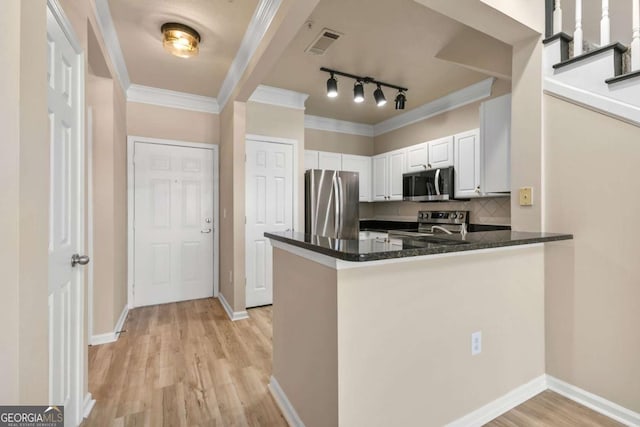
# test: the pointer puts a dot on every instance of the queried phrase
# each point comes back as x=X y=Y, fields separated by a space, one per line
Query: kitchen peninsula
x=377 y=331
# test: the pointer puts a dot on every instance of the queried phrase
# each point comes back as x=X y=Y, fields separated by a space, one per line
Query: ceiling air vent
x=321 y=43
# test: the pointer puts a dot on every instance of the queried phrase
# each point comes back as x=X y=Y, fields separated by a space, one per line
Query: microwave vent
x=323 y=41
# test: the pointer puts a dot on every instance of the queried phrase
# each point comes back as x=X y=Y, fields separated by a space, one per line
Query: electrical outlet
x=526 y=196
x=476 y=343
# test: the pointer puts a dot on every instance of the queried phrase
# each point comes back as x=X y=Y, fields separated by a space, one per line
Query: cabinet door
x=495 y=125
x=362 y=165
x=397 y=166
x=417 y=157
x=467 y=164
x=441 y=152
x=380 y=177
x=310 y=159
x=331 y=161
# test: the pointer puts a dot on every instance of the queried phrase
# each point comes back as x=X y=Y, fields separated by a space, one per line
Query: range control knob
x=461 y=216
x=454 y=216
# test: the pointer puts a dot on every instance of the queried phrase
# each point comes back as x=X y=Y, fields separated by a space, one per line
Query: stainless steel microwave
x=431 y=185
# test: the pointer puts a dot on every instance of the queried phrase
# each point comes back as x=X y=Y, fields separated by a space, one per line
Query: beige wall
x=407 y=348
x=25 y=169
x=305 y=353
x=337 y=142
x=153 y=121
x=232 y=270
x=10 y=204
x=593 y=285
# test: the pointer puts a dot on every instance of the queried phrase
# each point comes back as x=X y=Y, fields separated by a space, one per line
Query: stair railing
x=554 y=26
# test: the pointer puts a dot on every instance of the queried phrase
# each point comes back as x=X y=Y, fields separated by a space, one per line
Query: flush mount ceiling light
x=180 y=40
x=332 y=87
x=358 y=88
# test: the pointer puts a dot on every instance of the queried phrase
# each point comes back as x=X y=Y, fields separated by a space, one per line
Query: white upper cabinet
x=397 y=166
x=362 y=165
x=467 y=164
x=331 y=161
x=495 y=137
x=417 y=157
x=441 y=152
x=380 y=177
x=310 y=159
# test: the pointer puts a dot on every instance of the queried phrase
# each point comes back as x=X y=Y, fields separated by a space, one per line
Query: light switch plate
x=526 y=198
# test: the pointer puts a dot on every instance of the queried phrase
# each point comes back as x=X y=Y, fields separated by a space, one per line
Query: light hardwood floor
x=187 y=364
x=549 y=409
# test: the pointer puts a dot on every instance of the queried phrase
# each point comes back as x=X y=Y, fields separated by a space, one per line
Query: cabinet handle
x=477 y=189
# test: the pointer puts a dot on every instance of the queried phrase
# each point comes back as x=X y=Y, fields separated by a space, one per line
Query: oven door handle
x=437 y=181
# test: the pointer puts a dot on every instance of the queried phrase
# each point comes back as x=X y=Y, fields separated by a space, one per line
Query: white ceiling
x=391 y=40
x=220 y=23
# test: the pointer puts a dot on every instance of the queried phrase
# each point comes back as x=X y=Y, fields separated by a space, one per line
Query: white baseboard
x=503 y=404
x=87 y=405
x=597 y=403
x=283 y=403
x=111 y=336
x=233 y=315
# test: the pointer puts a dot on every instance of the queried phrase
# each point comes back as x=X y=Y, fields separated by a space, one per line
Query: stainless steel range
x=437 y=222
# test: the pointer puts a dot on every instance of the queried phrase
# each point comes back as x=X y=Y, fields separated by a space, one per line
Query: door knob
x=78 y=259
x=208 y=230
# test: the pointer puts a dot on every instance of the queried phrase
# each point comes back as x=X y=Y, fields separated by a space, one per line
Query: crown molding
x=279 y=97
x=110 y=37
x=341 y=126
x=172 y=99
x=256 y=30
x=457 y=99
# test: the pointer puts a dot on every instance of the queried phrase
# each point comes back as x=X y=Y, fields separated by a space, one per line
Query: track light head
x=332 y=87
x=400 y=100
x=358 y=92
x=378 y=95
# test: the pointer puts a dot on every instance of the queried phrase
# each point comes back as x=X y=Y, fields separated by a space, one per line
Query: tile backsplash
x=494 y=210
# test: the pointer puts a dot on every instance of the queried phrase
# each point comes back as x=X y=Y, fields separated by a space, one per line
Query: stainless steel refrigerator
x=331 y=203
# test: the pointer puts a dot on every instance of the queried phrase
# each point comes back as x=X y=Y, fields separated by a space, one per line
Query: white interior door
x=269 y=207
x=173 y=223
x=65 y=222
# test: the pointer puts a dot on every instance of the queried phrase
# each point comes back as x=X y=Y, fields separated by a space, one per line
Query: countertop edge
x=408 y=253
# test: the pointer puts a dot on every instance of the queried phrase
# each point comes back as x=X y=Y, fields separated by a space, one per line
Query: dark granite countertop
x=402 y=247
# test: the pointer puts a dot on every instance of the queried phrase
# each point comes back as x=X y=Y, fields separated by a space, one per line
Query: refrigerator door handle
x=336 y=210
x=340 y=209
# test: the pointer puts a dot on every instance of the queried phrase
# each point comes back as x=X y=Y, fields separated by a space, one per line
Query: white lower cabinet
x=467 y=164
x=362 y=165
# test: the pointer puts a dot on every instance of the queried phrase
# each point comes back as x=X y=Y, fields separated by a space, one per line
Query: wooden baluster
x=635 y=38
x=605 y=24
x=557 y=17
x=577 y=34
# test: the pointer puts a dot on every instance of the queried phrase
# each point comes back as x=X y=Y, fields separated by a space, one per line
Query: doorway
x=270 y=203
x=173 y=217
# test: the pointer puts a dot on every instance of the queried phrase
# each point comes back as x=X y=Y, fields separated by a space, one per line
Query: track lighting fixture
x=332 y=87
x=400 y=100
x=379 y=97
x=358 y=92
x=358 y=88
